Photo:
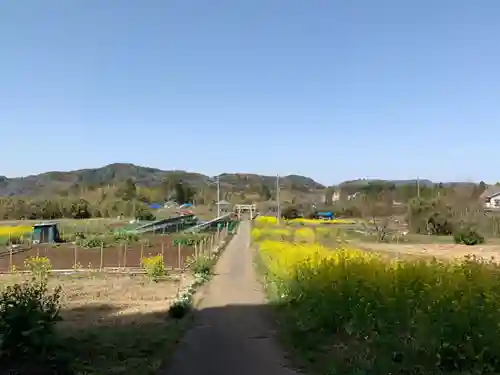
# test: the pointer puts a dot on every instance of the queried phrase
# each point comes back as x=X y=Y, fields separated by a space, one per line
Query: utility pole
x=218 y=196
x=418 y=187
x=278 y=198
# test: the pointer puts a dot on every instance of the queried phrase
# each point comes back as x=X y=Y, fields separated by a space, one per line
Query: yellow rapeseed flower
x=14 y=230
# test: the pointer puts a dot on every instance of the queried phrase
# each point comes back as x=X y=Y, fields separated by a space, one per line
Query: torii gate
x=245 y=207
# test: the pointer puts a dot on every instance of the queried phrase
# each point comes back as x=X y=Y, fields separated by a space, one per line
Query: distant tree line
x=436 y=209
x=126 y=199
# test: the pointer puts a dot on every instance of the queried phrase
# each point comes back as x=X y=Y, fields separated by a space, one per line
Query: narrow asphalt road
x=232 y=332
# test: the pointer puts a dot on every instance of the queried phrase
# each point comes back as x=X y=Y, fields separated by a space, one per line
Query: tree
x=377 y=205
x=430 y=216
x=80 y=209
x=142 y=212
x=265 y=192
x=329 y=195
x=290 y=213
x=127 y=191
x=183 y=193
x=481 y=188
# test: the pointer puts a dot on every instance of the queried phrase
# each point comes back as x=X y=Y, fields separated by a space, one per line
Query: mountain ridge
x=143 y=176
x=53 y=181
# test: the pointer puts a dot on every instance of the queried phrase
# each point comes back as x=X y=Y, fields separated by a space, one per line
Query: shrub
x=27 y=320
x=181 y=306
x=91 y=242
x=203 y=265
x=79 y=235
x=126 y=237
x=154 y=267
x=290 y=213
x=38 y=266
x=144 y=215
x=189 y=239
x=468 y=236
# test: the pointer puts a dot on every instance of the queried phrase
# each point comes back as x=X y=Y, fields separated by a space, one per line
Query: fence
x=118 y=256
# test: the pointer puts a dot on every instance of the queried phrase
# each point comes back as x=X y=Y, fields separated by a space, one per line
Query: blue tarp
x=325 y=214
x=155 y=206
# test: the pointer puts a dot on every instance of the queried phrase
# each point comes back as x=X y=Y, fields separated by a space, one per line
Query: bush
x=182 y=305
x=126 y=237
x=290 y=213
x=154 y=267
x=430 y=217
x=179 y=309
x=38 y=266
x=189 y=239
x=145 y=215
x=468 y=236
x=91 y=242
x=203 y=265
x=27 y=320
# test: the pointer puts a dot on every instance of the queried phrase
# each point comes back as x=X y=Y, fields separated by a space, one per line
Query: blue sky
x=330 y=89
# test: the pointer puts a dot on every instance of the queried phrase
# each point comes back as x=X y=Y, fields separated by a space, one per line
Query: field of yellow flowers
x=14 y=231
x=346 y=311
x=271 y=220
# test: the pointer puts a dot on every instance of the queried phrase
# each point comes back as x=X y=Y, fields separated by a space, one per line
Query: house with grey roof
x=224 y=206
x=491 y=197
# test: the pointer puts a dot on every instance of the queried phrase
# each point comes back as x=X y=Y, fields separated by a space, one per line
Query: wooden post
x=102 y=257
x=76 y=257
x=179 y=260
x=195 y=251
x=162 y=249
x=119 y=256
x=125 y=255
x=10 y=259
x=142 y=251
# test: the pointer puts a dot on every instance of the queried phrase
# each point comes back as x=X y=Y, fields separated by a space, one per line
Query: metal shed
x=45 y=233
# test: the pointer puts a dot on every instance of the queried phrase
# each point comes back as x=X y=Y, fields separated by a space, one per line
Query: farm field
x=345 y=233
x=94 y=244
x=488 y=251
x=344 y=310
x=115 y=255
x=116 y=324
x=112 y=322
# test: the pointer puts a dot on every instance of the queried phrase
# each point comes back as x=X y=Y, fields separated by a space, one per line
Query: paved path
x=232 y=332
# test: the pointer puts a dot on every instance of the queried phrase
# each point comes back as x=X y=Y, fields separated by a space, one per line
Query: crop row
x=347 y=311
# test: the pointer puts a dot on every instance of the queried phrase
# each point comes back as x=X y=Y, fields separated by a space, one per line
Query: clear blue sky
x=330 y=89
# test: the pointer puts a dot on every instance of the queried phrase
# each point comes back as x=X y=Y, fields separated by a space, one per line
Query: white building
x=491 y=197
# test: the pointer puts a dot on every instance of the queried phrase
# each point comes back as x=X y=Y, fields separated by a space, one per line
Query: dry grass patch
x=443 y=251
x=116 y=324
